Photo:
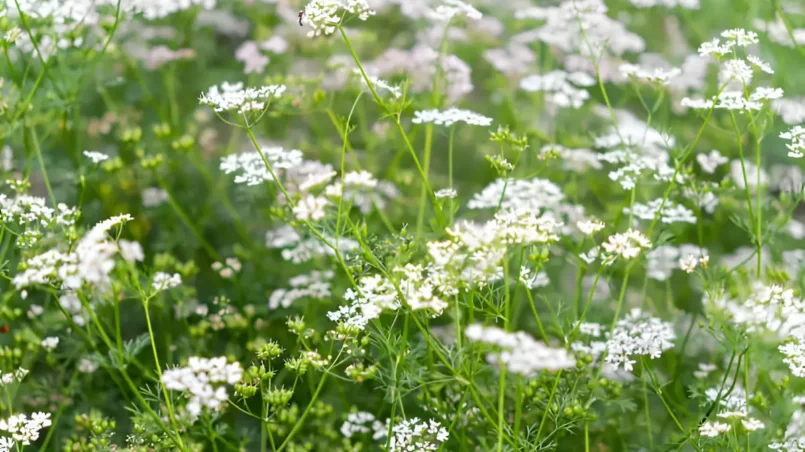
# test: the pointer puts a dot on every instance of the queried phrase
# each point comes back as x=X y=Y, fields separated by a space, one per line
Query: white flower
x=234 y=98
x=626 y=245
x=50 y=343
x=164 y=281
x=689 y=4
x=762 y=65
x=24 y=430
x=453 y=8
x=713 y=429
x=154 y=196
x=796 y=149
x=738 y=70
x=376 y=294
x=663 y=260
x=638 y=334
x=696 y=104
x=96 y=157
x=688 y=263
x=90 y=262
x=658 y=75
x=794 y=352
x=765 y=93
x=13 y=35
x=298 y=250
x=520 y=352
x=311 y=208
x=249 y=54
x=356 y=423
x=379 y=83
x=590 y=256
x=710 y=162
x=590 y=227
x=325 y=15
x=205 y=380
x=791 y=110
x=740 y=37
x=532 y=280
x=534 y=195
x=86 y=366
x=35 y=310
x=446 y=193
x=275 y=44
x=671 y=212
x=416 y=435
x=450 y=117
x=704 y=370
x=714 y=48
x=314 y=285
x=751 y=424
x=131 y=251
x=560 y=87
x=251 y=169
x=13 y=377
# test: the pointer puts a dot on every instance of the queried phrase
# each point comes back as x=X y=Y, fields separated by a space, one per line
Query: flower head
x=234 y=98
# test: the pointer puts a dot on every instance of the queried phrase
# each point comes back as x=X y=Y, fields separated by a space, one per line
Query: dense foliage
x=402 y=225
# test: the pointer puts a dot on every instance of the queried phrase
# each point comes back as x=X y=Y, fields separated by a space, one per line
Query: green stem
x=159 y=375
x=305 y=413
x=188 y=222
x=38 y=150
x=646 y=407
x=658 y=391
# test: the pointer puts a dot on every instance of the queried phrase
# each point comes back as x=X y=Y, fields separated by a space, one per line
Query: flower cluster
x=638 y=334
x=164 y=281
x=415 y=434
x=627 y=245
x=671 y=212
x=450 y=117
x=90 y=262
x=251 y=169
x=314 y=285
x=737 y=75
x=794 y=352
x=298 y=249
x=233 y=97
x=23 y=429
x=359 y=422
x=657 y=75
x=472 y=256
x=533 y=195
x=519 y=352
x=205 y=380
x=12 y=377
x=452 y=8
x=560 y=88
x=325 y=15
x=663 y=260
x=796 y=149
x=375 y=294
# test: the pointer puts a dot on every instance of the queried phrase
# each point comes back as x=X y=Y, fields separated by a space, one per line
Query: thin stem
x=38 y=150
x=396 y=118
x=188 y=222
x=684 y=158
x=550 y=401
x=305 y=413
x=658 y=391
x=159 y=375
x=646 y=408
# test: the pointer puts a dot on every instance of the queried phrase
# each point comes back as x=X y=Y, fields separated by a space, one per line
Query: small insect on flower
x=301 y=14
